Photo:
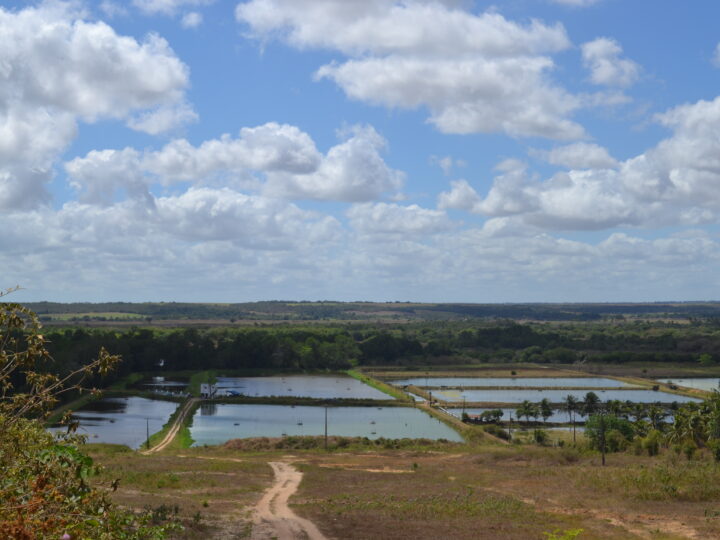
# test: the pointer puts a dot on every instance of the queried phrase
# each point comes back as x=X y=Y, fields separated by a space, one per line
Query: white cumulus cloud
x=191 y=20
x=603 y=58
x=279 y=159
x=392 y=219
x=677 y=182
x=474 y=73
x=57 y=69
x=581 y=156
x=167 y=7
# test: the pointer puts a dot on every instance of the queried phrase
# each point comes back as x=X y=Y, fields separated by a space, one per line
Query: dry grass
x=452 y=491
x=494 y=370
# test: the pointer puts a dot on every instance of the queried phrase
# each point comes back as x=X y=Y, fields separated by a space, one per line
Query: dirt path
x=170 y=435
x=273 y=518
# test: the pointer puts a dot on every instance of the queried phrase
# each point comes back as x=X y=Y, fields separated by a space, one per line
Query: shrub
x=498 y=431
x=540 y=436
x=44 y=488
x=615 y=441
x=689 y=449
x=714 y=447
x=651 y=442
x=618 y=432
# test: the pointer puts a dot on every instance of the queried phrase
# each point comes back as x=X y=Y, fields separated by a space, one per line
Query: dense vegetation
x=44 y=489
x=351 y=311
x=341 y=346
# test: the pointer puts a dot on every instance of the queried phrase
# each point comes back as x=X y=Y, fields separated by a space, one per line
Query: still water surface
x=459 y=382
x=122 y=420
x=313 y=386
x=556 y=396
x=696 y=382
x=218 y=423
x=558 y=416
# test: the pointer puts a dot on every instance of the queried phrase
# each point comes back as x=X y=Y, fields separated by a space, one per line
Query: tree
x=608 y=432
x=546 y=410
x=591 y=403
x=527 y=409
x=44 y=489
x=571 y=406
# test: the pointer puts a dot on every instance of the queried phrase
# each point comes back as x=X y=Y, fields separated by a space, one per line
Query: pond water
x=162 y=385
x=558 y=416
x=122 y=420
x=700 y=383
x=459 y=382
x=222 y=422
x=556 y=396
x=313 y=386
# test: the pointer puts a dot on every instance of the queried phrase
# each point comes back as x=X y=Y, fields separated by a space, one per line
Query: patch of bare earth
x=273 y=518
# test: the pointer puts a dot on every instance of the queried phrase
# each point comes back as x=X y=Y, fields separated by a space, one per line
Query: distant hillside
x=365 y=311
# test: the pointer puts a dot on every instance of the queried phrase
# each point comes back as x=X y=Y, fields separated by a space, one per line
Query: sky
x=376 y=150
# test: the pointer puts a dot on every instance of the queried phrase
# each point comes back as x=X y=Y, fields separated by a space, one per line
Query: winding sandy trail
x=273 y=518
x=170 y=435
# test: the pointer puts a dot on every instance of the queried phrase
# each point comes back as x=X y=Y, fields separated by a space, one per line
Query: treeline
x=282 y=310
x=343 y=346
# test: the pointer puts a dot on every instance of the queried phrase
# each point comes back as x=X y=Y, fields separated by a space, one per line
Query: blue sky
x=425 y=150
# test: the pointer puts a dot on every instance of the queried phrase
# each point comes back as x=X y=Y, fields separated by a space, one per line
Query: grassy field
x=487 y=370
x=429 y=491
x=109 y=315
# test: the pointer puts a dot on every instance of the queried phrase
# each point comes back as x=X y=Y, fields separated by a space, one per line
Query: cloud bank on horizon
x=427 y=150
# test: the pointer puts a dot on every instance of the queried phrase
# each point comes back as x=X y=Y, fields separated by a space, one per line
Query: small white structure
x=208 y=391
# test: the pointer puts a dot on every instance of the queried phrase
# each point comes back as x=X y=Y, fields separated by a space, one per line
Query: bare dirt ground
x=273 y=518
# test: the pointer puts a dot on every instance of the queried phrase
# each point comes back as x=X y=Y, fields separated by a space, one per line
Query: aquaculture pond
x=557 y=417
x=555 y=396
x=122 y=420
x=460 y=382
x=162 y=385
x=218 y=423
x=313 y=386
x=700 y=383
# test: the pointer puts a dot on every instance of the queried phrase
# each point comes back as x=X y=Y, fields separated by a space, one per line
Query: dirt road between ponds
x=170 y=435
x=273 y=518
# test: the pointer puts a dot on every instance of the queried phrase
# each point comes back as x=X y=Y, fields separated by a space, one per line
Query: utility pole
x=602 y=436
x=147 y=433
x=326 y=408
x=463 y=413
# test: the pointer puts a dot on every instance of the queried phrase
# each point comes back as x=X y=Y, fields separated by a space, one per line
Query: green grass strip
x=379 y=385
x=182 y=439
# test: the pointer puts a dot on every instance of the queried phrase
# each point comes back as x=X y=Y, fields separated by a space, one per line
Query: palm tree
x=571 y=406
x=526 y=409
x=591 y=403
x=656 y=415
x=546 y=410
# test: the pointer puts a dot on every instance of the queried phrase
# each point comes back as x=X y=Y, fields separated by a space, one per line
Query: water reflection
x=459 y=382
x=699 y=383
x=244 y=421
x=313 y=386
x=556 y=396
x=208 y=409
x=122 y=420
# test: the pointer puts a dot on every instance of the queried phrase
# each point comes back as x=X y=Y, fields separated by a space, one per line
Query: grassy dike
x=183 y=439
x=379 y=385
